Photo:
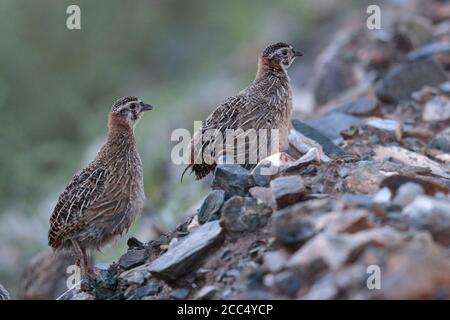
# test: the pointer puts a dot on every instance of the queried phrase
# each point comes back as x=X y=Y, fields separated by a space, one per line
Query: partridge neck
x=267 y=68
x=120 y=134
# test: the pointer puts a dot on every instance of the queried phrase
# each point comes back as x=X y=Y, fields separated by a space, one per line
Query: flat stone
x=244 y=214
x=145 y=291
x=233 y=179
x=180 y=294
x=287 y=190
x=135 y=276
x=426 y=213
x=321 y=130
x=437 y=109
x=210 y=209
x=133 y=258
x=441 y=141
x=383 y=124
x=402 y=81
x=187 y=252
x=359 y=107
x=429 y=50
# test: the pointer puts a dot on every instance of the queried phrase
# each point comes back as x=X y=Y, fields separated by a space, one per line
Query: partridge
x=102 y=200
x=265 y=104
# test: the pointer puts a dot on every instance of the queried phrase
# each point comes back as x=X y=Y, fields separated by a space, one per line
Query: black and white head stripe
x=123 y=102
x=274 y=47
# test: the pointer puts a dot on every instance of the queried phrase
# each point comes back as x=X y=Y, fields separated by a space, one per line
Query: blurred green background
x=57 y=86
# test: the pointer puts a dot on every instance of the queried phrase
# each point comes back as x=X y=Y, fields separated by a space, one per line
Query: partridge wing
x=84 y=190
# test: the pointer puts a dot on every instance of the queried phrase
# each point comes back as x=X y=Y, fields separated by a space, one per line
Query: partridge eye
x=133 y=106
x=284 y=52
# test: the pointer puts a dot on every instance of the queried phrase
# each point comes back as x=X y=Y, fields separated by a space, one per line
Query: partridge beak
x=146 y=107
x=297 y=53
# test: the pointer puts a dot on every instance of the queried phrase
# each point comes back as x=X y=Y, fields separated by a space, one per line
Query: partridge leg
x=82 y=260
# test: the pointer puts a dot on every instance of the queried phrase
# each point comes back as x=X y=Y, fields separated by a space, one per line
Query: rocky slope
x=372 y=198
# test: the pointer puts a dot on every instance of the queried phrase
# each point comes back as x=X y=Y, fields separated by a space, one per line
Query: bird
x=103 y=199
x=266 y=103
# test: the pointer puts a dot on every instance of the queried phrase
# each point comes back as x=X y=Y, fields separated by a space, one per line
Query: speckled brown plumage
x=103 y=199
x=265 y=104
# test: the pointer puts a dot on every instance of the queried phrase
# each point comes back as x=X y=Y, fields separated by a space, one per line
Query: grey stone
x=388 y=125
x=133 y=258
x=210 y=209
x=81 y=295
x=323 y=129
x=178 y=260
x=264 y=195
x=233 y=179
x=441 y=141
x=358 y=107
x=292 y=226
x=260 y=179
x=344 y=172
x=274 y=261
x=426 y=213
x=287 y=190
x=407 y=193
x=445 y=87
x=145 y=291
x=429 y=50
x=331 y=125
x=206 y=293
x=287 y=283
x=334 y=71
x=135 y=276
x=244 y=214
x=180 y=293
x=437 y=109
x=401 y=82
